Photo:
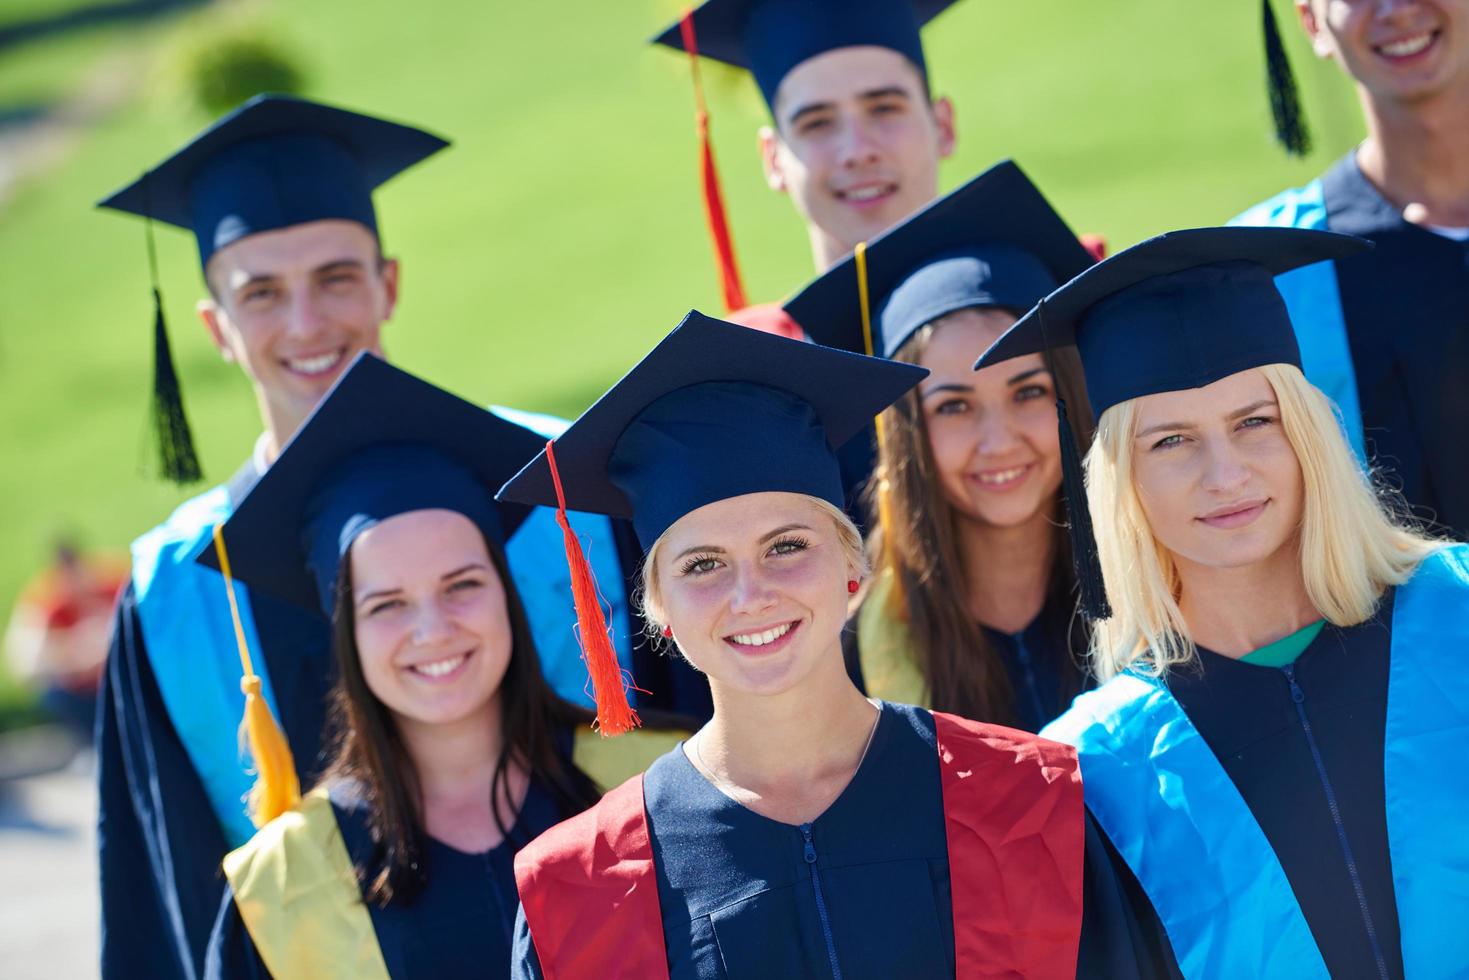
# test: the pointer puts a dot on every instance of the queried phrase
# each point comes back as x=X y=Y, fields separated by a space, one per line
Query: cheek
x=951 y=442
x=1036 y=422
x=377 y=640
x=1162 y=487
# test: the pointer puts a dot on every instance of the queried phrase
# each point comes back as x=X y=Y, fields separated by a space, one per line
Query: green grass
x=561 y=237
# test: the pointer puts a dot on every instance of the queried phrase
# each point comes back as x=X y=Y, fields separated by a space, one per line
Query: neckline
x=878 y=743
x=1287 y=649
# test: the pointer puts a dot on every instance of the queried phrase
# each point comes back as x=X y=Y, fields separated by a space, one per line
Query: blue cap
x=1179 y=311
x=994 y=242
x=274 y=162
x=382 y=443
x=715 y=411
x=770 y=37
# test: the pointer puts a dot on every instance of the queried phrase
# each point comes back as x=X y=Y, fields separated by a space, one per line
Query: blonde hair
x=649 y=596
x=1354 y=541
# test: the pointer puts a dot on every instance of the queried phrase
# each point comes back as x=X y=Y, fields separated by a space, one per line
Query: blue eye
x=789 y=546
x=1256 y=422
x=1168 y=441
x=697 y=565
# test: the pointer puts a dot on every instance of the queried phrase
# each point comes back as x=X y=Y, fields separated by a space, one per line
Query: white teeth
x=1001 y=476
x=865 y=193
x=439 y=668
x=1407 y=46
x=760 y=639
x=315 y=365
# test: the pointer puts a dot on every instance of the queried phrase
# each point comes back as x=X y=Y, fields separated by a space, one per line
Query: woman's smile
x=765 y=641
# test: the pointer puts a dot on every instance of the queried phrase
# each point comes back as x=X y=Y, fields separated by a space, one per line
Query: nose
x=858 y=149
x=304 y=317
x=1224 y=471
x=996 y=434
x=1386 y=9
x=753 y=593
x=431 y=625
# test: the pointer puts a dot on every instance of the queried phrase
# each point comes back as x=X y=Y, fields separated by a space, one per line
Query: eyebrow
x=716 y=550
x=884 y=92
x=1238 y=413
x=945 y=389
x=338 y=264
x=381 y=593
x=1025 y=375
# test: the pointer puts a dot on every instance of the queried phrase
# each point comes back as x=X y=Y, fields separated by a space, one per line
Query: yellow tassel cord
x=897 y=604
x=277 y=787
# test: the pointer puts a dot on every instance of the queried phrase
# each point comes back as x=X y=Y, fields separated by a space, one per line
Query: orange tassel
x=277 y=787
x=609 y=686
x=714 y=212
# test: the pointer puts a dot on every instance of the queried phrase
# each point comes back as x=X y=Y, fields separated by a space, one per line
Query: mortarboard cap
x=994 y=242
x=383 y=442
x=715 y=411
x=1176 y=312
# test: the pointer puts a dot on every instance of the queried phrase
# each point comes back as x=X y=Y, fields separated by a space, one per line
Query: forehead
x=1212 y=401
x=736 y=520
x=960 y=337
x=428 y=541
x=846 y=73
x=284 y=250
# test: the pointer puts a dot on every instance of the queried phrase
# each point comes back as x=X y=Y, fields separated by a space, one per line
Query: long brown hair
x=369 y=752
x=960 y=668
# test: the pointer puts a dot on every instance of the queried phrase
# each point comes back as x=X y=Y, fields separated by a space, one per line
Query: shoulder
x=1448 y=566
x=1105 y=718
x=301 y=834
x=177 y=541
x=574 y=851
x=973 y=743
x=611 y=761
x=1297 y=207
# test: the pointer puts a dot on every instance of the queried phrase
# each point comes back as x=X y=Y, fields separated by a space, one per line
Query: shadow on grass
x=88 y=15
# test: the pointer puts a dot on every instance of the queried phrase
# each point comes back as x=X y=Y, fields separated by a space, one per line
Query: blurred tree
x=221 y=71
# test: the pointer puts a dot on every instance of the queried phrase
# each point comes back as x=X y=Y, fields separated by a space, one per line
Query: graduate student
x=805 y=831
x=973 y=608
x=856 y=134
x=278 y=195
x=450 y=750
x=1267 y=755
x=1382 y=333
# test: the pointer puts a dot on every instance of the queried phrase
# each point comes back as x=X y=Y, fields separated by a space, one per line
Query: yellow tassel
x=277 y=788
x=885 y=519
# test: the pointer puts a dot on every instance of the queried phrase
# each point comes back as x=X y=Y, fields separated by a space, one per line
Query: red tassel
x=714 y=212
x=614 y=715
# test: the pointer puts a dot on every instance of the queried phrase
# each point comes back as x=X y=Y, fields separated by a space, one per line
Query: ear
x=213 y=316
x=389 y=274
x=775 y=177
x=943 y=117
x=1320 y=39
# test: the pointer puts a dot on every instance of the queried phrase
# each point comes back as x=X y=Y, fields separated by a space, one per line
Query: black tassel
x=177 y=460
x=1094 y=604
x=1285 y=99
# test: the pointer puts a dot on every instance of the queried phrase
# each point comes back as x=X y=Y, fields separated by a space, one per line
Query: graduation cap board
x=1176 y=312
x=768 y=38
x=994 y=242
x=274 y=162
x=383 y=442
x=715 y=411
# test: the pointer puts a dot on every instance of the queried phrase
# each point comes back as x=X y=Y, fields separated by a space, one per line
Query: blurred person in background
x=1386 y=333
x=56 y=640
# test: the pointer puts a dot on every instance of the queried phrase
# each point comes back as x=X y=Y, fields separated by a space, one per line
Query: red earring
x=852 y=586
x=668 y=632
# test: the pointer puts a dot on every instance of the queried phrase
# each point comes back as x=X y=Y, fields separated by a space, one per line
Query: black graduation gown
x=159 y=841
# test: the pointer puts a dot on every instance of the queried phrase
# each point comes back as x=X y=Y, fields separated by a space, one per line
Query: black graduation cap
x=1285 y=99
x=1178 y=311
x=274 y=162
x=770 y=37
x=994 y=242
x=383 y=442
x=715 y=411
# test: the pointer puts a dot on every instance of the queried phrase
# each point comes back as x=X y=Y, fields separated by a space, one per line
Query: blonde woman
x=1281 y=652
x=805 y=831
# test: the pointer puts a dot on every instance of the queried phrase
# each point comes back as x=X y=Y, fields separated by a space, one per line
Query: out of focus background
x=556 y=241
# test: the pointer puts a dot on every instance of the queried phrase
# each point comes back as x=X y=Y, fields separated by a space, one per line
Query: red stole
x=1014 y=823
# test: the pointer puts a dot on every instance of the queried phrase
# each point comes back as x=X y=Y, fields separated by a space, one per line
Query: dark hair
x=960 y=669
x=368 y=751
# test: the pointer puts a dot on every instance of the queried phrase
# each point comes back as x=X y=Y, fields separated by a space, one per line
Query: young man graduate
x=1383 y=332
x=279 y=196
x=856 y=135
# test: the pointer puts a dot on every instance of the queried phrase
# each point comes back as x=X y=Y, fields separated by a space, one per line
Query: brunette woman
x=1274 y=751
x=451 y=750
x=806 y=830
x=973 y=607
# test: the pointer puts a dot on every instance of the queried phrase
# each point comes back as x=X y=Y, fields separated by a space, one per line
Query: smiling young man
x=1383 y=332
x=856 y=135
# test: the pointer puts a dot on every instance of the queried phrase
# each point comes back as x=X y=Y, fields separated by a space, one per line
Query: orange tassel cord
x=609 y=684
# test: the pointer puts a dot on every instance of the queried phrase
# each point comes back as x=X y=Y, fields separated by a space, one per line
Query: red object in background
x=768 y=318
x=1095 y=244
x=57 y=636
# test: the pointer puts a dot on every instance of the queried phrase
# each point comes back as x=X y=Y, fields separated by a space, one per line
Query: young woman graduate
x=973 y=608
x=451 y=750
x=1283 y=652
x=805 y=831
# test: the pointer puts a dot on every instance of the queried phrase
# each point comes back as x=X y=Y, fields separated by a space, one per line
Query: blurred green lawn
x=562 y=235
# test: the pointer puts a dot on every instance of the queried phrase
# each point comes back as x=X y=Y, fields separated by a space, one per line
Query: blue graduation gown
x=1386 y=335
x=862 y=891
x=459 y=926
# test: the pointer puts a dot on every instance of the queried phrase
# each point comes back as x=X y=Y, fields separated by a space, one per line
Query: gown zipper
x=1299 y=697
x=831 y=946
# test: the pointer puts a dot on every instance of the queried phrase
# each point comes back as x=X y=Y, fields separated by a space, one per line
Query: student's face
x=1399 y=50
x=755 y=589
x=1219 y=481
x=856 y=142
x=993 y=433
x=294 y=306
x=433 y=631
